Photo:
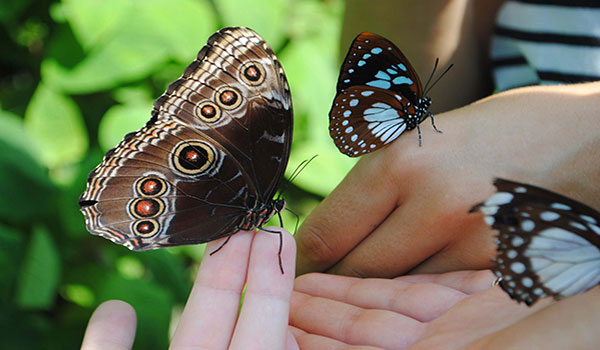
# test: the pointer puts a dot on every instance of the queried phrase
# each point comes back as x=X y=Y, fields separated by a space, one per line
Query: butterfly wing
x=366 y=118
x=218 y=140
x=376 y=90
x=374 y=61
x=257 y=127
x=548 y=244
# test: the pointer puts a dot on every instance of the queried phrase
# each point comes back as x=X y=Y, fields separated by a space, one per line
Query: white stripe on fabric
x=550 y=19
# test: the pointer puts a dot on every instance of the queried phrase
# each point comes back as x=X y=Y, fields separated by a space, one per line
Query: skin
x=456 y=310
x=210 y=319
x=404 y=208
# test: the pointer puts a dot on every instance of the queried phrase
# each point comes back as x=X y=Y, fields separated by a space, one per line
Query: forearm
x=570 y=324
x=546 y=134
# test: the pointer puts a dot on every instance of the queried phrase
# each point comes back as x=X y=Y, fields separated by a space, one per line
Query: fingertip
x=266 y=246
x=112 y=325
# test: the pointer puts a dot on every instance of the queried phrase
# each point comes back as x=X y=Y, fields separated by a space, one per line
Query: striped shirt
x=544 y=42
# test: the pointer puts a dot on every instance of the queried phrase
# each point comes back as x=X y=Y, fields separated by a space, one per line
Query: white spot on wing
x=402 y=80
x=382 y=84
x=560 y=206
x=517 y=267
x=527 y=225
x=499 y=198
x=549 y=216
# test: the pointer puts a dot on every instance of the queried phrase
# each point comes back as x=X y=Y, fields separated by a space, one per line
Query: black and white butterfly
x=379 y=96
x=548 y=244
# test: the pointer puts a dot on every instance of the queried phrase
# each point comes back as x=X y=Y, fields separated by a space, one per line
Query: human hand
x=210 y=318
x=457 y=310
x=405 y=208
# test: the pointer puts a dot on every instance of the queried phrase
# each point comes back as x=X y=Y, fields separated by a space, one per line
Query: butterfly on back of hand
x=548 y=244
x=379 y=96
x=209 y=161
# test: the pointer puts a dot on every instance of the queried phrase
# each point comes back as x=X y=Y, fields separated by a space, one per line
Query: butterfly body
x=379 y=96
x=209 y=161
x=548 y=244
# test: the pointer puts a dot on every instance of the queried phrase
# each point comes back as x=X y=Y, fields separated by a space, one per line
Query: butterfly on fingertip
x=379 y=97
x=209 y=161
x=547 y=244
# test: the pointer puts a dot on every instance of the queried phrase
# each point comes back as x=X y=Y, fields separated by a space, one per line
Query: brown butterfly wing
x=218 y=140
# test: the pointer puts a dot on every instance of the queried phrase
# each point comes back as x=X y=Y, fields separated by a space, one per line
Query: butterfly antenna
x=297 y=219
x=437 y=60
x=296 y=172
x=440 y=77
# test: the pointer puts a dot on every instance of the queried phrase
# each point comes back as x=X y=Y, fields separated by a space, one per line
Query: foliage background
x=77 y=75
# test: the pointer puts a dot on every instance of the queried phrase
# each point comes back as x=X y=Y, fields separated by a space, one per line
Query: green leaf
x=168 y=271
x=152 y=304
x=120 y=120
x=26 y=182
x=12 y=9
x=312 y=84
x=269 y=18
x=79 y=294
x=93 y=22
x=141 y=35
x=40 y=272
x=11 y=250
x=55 y=122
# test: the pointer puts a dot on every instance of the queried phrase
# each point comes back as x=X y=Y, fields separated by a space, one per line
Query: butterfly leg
x=433 y=123
x=221 y=246
x=419 y=132
x=280 y=246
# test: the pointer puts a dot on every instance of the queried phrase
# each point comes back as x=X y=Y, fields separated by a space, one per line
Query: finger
x=353 y=325
x=468 y=282
x=359 y=203
x=211 y=311
x=112 y=326
x=423 y=301
x=424 y=226
x=263 y=321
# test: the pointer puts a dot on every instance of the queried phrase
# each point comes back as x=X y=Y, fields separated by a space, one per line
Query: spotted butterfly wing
x=548 y=244
x=379 y=96
x=209 y=161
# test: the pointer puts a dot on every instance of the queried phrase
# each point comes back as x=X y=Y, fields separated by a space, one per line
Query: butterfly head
x=278 y=205
x=424 y=103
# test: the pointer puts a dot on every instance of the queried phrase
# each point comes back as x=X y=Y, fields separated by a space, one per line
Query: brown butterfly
x=209 y=161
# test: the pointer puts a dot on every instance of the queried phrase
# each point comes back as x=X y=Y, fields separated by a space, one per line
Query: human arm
x=405 y=208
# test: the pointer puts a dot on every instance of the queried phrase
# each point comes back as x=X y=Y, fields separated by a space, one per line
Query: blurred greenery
x=77 y=75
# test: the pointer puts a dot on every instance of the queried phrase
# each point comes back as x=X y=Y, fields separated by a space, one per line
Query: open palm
x=457 y=310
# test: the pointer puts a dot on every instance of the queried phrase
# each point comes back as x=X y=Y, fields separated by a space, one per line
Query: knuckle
x=313 y=245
